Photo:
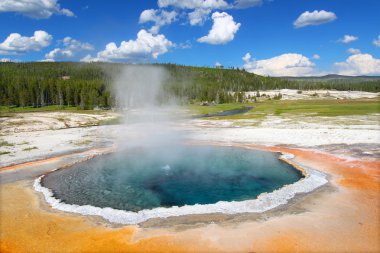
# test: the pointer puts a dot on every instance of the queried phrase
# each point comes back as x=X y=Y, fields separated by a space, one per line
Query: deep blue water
x=139 y=179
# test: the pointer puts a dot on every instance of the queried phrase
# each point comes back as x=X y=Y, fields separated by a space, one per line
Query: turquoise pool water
x=141 y=178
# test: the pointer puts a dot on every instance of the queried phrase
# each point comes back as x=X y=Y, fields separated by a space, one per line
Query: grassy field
x=203 y=110
x=301 y=107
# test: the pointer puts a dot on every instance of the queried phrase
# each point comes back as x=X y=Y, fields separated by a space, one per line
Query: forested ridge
x=88 y=85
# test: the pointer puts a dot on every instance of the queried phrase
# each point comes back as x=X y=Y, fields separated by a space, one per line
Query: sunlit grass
x=112 y=121
x=327 y=107
x=203 y=110
x=321 y=107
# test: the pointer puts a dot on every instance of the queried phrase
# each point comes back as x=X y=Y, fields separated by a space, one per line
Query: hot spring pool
x=139 y=179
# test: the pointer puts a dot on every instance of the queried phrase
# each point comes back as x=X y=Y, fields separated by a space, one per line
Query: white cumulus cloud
x=316 y=57
x=47 y=60
x=5 y=60
x=247 y=57
x=314 y=18
x=218 y=64
x=223 y=30
x=185 y=45
x=71 y=48
x=145 y=47
x=209 y=4
x=89 y=58
x=39 y=9
x=194 y=4
x=359 y=64
x=199 y=10
x=376 y=42
x=198 y=16
x=348 y=39
x=243 y=4
x=17 y=44
x=353 y=51
x=283 y=65
x=158 y=17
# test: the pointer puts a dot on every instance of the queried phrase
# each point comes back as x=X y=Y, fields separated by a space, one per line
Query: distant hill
x=333 y=77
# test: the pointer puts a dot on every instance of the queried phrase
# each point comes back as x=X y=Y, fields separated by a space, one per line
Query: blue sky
x=277 y=37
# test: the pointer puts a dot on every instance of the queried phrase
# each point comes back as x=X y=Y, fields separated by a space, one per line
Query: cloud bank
x=200 y=9
x=358 y=64
x=193 y=4
x=38 y=9
x=158 y=17
x=15 y=43
x=146 y=46
x=290 y=64
x=71 y=48
x=198 y=16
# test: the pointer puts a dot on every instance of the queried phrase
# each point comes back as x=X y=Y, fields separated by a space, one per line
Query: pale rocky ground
x=32 y=136
x=355 y=132
x=28 y=122
x=289 y=94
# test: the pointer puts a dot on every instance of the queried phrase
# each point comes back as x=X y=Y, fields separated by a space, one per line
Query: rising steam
x=149 y=111
x=140 y=86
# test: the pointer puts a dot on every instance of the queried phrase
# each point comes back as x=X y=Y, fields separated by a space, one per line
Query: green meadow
x=321 y=107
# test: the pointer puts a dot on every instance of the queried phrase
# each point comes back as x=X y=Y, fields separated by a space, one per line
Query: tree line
x=89 y=85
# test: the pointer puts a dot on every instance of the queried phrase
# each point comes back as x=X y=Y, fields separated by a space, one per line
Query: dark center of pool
x=139 y=179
